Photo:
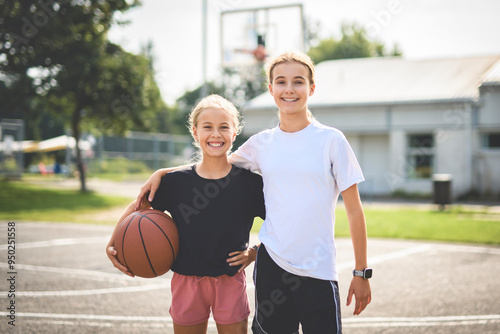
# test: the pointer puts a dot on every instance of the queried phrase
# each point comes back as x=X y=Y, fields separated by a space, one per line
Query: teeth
x=215 y=144
x=290 y=100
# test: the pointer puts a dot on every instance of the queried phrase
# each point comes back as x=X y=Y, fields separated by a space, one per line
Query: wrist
x=254 y=248
x=365 y=273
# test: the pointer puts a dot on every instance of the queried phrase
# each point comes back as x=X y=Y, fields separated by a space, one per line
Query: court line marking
x=348 y=322
x=58 y=242
x=66 y=293
x=80 y=273
x=108 y=277
x=96 y=275
x=422 y=321
x=468 y=249
x=389 y=256
x=99 y=276
x=36 y=225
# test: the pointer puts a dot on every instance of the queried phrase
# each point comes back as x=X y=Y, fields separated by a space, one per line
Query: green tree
x=55 y=57
x=354 y=43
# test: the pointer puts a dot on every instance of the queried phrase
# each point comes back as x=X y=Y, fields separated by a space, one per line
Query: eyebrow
x=208 y=122
x=295 y=77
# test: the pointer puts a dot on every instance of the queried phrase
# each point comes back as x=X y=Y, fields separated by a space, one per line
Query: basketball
x=147 y=243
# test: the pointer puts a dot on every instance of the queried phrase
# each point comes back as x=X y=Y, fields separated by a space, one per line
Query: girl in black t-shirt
x=214 y=204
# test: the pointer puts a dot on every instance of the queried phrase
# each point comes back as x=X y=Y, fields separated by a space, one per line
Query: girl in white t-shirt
x=304 y=165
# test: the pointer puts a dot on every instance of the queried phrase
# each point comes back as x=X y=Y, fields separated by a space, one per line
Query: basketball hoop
x=258 y=53
x=249 y=36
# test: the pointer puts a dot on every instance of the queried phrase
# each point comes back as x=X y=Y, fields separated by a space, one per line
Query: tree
x=56 y=57
x=353 y=44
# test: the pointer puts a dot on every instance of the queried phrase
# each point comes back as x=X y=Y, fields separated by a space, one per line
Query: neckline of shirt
x=193 y=168
x=310 y=126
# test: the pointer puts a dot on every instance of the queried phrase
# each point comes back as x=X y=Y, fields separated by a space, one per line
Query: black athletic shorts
x=283 y=300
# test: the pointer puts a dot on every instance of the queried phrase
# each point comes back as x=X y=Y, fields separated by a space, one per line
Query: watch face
x=368 y=273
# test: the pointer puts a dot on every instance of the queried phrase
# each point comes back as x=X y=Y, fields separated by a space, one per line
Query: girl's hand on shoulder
x=111 y=252
x=148 y=190
x=243 y=258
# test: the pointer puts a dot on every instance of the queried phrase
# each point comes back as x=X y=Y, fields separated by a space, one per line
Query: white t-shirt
x=303 y=173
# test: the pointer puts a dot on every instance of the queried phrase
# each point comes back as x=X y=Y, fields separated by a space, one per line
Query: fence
x=138 y=150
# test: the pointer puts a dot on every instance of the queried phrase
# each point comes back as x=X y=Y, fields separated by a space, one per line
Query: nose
x=216 y=133
x=289 y=88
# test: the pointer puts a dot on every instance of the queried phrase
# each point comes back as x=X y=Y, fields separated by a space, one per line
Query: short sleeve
x=260 y=207
x=245 y=156
x=160 y=201
x=345 y=167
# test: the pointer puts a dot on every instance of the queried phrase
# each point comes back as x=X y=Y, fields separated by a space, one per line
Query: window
x=420 y=156
x=491 y=140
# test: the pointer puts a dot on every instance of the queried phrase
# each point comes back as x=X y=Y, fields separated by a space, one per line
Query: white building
x=409 y=119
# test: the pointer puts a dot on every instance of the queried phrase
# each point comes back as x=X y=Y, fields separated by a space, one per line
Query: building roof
x=492 y=77
x=394 y=80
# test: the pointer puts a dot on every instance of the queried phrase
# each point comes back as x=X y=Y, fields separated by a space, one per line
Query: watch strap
x=358 y=272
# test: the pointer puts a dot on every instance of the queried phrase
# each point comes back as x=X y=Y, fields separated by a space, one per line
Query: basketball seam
x=123 y=242
x=144 y=245
x=166 y=236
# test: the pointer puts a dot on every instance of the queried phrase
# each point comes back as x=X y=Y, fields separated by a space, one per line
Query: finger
x=112 y=251
x=152 y=193
x=129 y=273
x=236 y=262
x=360 y=306
x=138 y=201
x=123 y=269
x=349 y=298
x=356 y=308
x=243 y=266
x=235 y=253
x=238 y=256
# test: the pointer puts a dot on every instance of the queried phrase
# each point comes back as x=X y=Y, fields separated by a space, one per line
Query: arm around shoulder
x=148 y=190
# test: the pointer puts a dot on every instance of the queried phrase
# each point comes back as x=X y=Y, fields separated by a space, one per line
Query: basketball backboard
x=246 y=33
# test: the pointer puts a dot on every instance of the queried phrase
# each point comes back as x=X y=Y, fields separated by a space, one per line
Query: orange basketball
x=147 y=243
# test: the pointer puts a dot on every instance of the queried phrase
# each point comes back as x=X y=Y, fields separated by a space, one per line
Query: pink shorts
x=193 y=297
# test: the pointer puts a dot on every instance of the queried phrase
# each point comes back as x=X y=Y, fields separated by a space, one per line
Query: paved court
x=64 y=283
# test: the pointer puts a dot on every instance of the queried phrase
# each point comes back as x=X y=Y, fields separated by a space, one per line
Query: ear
x=195 y=133
x=313 y=88
x=270 y=87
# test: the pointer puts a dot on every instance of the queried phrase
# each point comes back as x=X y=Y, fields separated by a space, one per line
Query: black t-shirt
x=214 y=217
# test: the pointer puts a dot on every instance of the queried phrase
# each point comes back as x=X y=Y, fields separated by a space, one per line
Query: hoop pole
x=204 y=88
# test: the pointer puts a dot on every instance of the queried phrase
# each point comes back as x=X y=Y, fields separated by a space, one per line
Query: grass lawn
x=24 y=202
x=456 y=225
x=20 y=201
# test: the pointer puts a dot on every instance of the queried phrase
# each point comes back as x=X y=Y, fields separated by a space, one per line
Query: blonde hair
x=214 y=101
x=293 y=56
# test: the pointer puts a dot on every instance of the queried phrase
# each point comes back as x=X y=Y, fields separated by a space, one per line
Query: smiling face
x=215 y=132
x=290 y=87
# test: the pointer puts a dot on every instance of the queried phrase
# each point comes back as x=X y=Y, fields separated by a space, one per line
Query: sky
x=422 y=29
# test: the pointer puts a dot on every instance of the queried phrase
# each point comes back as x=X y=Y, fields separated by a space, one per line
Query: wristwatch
x=365 y=273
